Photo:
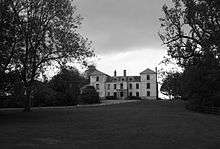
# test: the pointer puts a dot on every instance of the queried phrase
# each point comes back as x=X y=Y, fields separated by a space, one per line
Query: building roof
x=148 y=71
x=122 y=78
x=97 y=73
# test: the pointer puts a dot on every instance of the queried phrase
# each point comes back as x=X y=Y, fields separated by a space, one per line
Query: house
x=143 y=86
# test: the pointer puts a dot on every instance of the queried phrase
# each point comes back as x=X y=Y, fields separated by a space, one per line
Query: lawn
x=147 y=125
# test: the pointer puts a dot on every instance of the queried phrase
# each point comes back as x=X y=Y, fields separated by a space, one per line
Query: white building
x=143 y=86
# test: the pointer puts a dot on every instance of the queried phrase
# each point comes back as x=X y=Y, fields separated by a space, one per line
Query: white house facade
x=143 y=86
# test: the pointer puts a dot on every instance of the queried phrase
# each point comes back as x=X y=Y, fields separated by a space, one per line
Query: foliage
x=10 y=37
x=88 y=99
x=110 y=97
x=214 y=100
x=10 y=102
x=36 y=33
x=68 y=82
x=171 y=85
x=88 y=95
x=133 y=98
x=191 y=31
x=200 y=82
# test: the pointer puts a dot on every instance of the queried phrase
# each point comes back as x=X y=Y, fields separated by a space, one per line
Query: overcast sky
x=124 y=33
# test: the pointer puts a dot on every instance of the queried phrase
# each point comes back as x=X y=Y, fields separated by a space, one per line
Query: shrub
x=133 y=98
x=195 y=99
x=88 y=95
x=88 y=99
x=110 y=98
x=214 y=100
x=10 y=102
x=159 y=98
x=49 y=97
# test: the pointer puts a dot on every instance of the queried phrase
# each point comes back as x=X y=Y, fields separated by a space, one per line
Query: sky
x=124 y=33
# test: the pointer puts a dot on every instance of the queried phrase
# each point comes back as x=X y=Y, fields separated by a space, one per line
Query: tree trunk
x=27 y=102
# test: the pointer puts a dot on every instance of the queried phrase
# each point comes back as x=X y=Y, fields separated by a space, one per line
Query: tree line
x=62 y=89
x=191 y=31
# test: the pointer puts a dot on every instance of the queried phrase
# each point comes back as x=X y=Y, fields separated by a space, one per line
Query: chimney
x=115 y=73
x=124 y=73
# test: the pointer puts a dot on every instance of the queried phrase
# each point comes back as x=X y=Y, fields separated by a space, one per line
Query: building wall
x=134 y=89
x=152 y=88
x=110 y=91
x=100 y=83
x=142 y=91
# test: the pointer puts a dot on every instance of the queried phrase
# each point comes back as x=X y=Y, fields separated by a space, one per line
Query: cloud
x=121 y=25
x=134 y=61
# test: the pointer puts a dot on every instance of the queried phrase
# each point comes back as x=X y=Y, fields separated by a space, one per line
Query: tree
x=68 y=82
x=171 y=85
x=46 y=32
x=9 y=48
x=191 y=31
x=10 y=37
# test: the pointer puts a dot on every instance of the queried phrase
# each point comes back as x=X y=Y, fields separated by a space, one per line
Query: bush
x=49 y=97
x=10 y=102
x=110 y=98
x=214 y=100
x=195 y=99
x=88 y=99
x=133 y=98
x=159 y=98
x=88 y=95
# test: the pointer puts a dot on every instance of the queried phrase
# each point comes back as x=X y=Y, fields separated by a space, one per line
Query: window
x=97 y=86
x=121 y=86
x=115 y=86
x=97 y=78
x=137 y=86
x=130 y=93
x=121 y=94
x=108 y=86
x=148 y=85
x=137 y=94
x=130 y=86
x=108 y=93
x=122 y=79
x=130 y=79
x=148 y=93
x=148 y=77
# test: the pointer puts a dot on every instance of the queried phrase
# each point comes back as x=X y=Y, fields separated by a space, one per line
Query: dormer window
x=97 y=78
x=148 y=77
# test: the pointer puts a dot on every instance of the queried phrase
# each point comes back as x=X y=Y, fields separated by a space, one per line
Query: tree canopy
x=171 y=85
x=191 y=31
x=35 y=33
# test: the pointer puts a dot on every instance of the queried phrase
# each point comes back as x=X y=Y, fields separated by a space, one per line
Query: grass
x=149 y=124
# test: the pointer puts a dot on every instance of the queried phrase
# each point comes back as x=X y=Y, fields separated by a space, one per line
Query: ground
x=149 y=124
